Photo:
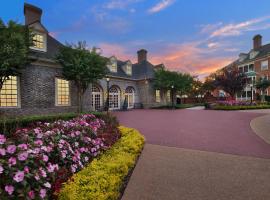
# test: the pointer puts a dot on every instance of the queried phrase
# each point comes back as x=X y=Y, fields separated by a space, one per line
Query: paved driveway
x=214 y=131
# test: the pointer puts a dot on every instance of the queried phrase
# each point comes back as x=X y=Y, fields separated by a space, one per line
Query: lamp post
x=108 y=93
x=172 y=96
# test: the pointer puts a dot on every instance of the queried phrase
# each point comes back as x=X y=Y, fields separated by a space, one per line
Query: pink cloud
x=161 y=6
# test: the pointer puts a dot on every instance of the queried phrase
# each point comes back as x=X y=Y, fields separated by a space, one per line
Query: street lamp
x=172 y=95
x=108 y=92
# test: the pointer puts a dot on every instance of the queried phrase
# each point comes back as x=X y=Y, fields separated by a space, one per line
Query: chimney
x=32 y=14
x=142 y=55
x=257 y=42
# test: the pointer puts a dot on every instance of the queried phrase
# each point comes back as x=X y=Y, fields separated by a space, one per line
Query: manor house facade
x=41 y=88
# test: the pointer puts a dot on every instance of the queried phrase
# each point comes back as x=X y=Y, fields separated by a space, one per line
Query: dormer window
x=253 y=54
x=113 y=64
x=129 y=69
x=39 y=42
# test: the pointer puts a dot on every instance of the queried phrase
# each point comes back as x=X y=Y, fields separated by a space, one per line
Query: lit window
x=114 y=67
x=38 y=41
x=264 y=65
x=9 y=93
x=129 y=69
x=62 y=92
x=114 y=98
x=168 y=95
x=158 y=96
x=112 y=64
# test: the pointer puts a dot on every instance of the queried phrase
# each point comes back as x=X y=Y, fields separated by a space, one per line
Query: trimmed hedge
x=103 y=178
x=219 y=107
x=9 y=125
x=178 y=106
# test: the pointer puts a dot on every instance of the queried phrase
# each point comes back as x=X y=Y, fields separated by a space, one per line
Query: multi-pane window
x=129 y=69
x=168 y=95
x=62 y=93
x=114 y=98
x=129 y=95
x=264 y=65
x=9 y=93
x=158 y=96
x=38 y=41
x=96 y=98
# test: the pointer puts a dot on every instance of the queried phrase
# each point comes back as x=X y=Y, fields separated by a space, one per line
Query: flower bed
x=103 y=178
x=236 y=105
x=252 y=107
x=35 y=161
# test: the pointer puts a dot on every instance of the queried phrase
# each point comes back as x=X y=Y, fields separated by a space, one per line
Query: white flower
x=47 y=185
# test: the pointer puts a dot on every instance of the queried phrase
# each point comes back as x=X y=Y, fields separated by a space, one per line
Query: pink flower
x=19 y=176
x=9 y=189
x=11 y=149
x=38 y=142
x=26 y=169
x=47 y=185
x=42 y=193
x=1 y=169
x=23 y=156
x=2 y=152
x=2 y=139
x=12 y=161
x=23 y=146
x=37 y=177
x=42 y=172
x=31 y=194
x=45 y=158
x=86 y=159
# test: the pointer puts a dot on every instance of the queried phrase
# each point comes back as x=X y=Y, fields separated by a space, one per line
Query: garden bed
x=252 y=107
x=104 y=177
x=36 y=160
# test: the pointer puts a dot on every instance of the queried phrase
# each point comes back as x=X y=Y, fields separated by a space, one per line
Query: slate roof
x=264 y=50
x=143 y=70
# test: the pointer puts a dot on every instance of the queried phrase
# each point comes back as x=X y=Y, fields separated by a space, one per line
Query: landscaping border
x=218 y=107
x=105 y=176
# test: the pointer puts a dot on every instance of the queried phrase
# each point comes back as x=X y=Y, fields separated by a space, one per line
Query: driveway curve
x=216 y=131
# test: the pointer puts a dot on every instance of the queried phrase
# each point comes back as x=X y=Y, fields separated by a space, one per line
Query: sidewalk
x=168 y=173
x=261 y=126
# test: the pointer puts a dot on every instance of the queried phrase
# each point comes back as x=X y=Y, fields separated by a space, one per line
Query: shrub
x=222 y=107
x=10 y=125
x=103 y=178
x=35 y=161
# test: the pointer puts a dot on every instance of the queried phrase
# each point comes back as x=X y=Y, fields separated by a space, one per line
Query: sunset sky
x=195 y=36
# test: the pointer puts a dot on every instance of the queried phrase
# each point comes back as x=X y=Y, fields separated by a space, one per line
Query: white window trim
x=18 y=97
x=262 y=65
x=56 y=94
x=45 y=42
x=157 y=100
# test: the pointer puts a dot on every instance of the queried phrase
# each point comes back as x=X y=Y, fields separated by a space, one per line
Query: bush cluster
x=251 y=107
x=103 y=178
x=35 y=161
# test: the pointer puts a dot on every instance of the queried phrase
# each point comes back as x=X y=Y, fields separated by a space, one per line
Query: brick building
x=41 y=88
x=255 y=64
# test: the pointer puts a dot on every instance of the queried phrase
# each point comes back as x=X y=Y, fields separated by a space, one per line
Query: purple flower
x=9 y=189
x=2 y=152
x=42 y=172
x=2 y=139
x=11 y=149
x=19 y=176
x=45 y=158
x=1 y=169
x=42 y=193
x=31 y=194
x=23 y=156
x=23 y=146
x=12 y=161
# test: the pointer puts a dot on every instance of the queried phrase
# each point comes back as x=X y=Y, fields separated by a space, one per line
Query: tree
x=82 y=66
x=15 y=40
x=165 y=79
x=262 y=85
x=231 y=81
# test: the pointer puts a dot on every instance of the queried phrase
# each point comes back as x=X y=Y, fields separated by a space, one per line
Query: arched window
x=96 y=97
x=114 y=98
x=130 y=96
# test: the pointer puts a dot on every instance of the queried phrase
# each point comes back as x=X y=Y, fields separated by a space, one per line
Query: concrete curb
x=261 y=126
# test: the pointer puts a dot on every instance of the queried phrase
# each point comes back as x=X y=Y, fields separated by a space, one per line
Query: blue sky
x=187 y=35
